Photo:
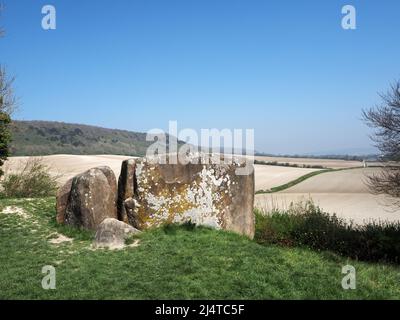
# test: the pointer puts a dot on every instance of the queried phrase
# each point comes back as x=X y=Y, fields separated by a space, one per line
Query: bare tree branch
x=8 y=102
x=385 y=119
x=2 y=32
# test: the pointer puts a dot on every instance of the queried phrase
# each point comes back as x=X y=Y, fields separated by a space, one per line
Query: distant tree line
x=370 y=157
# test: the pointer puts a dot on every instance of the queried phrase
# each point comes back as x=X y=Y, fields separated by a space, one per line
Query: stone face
x=92 y=198
x=112 y=234
x=125 y=188
x=211 y=194
x=62 y=201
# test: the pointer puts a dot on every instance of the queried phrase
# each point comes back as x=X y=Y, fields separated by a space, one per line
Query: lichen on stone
x=202 y=200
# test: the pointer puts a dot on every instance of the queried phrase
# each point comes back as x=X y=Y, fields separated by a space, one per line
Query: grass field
x=170 y=263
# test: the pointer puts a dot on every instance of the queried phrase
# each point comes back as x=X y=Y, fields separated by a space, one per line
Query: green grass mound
x=169 y=263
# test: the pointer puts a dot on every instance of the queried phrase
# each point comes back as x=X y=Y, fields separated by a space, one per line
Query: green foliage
x=5 y=137
x=40 y=138
x=191 y=263
x=7 y=106
x=172 y=228
x=31 y=180
x=305 y=224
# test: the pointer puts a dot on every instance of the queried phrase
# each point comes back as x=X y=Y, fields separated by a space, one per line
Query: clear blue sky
x=285 y=68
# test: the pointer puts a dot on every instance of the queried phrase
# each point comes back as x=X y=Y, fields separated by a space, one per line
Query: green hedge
x=305 y=224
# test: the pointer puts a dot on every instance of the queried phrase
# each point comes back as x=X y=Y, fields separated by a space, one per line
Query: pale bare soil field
x=67 y=166
x=342 y=192
x=357 y=207
x=272 y=176
x=343 y=181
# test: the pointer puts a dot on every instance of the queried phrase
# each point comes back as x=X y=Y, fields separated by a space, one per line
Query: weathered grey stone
x=129 y=206
x=92 y=198
x=112 y=234
x=210 y=194
x=126 y=187
x=62 y=201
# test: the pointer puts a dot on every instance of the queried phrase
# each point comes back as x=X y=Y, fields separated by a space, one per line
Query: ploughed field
x=67 y=166
x=342 y=192
x=267 y=177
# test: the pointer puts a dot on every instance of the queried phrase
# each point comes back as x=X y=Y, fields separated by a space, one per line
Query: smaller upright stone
x=126 y=188
x=92 y=198
x=62 y=201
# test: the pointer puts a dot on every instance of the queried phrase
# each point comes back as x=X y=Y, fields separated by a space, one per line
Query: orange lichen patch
x=171 y=201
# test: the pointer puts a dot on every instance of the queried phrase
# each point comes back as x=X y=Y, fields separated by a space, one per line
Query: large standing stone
x=206 y=194
x=62 y=200
x=92 y=198
x=112 y=234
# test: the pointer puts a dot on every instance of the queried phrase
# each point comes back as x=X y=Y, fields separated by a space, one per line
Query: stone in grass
x=211 y=194
x=112 y=234
x=126 y=189
x=92 y=198
x=62 y=201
